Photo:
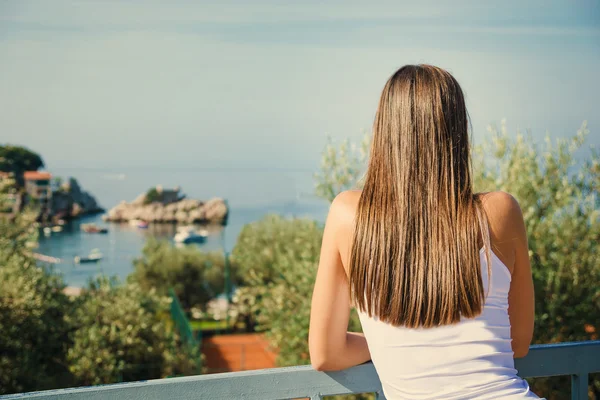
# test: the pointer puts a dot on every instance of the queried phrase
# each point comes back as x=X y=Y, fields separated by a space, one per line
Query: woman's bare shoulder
x=347 y=198
x=344 y=206
x=505 y=219
x=340 y=222
x=501 y=208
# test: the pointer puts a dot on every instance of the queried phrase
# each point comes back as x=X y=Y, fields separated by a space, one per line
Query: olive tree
x=277 y=261
x=34 y=313
x=195 y=276
x=124 y=333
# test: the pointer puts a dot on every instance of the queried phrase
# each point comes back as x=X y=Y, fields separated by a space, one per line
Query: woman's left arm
x=332 y=348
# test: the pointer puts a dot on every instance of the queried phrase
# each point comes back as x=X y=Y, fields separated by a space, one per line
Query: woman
x=440 y=275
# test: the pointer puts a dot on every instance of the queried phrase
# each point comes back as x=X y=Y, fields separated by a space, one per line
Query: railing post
x=579 y=386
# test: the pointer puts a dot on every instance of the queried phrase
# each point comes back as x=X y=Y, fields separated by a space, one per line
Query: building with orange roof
x=37 y=186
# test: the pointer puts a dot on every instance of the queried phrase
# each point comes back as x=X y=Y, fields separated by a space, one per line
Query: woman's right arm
x=509 y=237
x=521 y=301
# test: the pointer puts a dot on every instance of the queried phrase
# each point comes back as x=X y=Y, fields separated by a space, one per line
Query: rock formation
x=70 y=201
x=169 y=207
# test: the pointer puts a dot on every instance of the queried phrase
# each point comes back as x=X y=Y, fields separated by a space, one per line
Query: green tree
x=19 y=159
x=124 y=333
x=17 y=232
x=341 y=167
x=152 y=195
x=557 y=186
x=34 y=327
x=277 y=259
x=110 y=333
x=34 y=322
x=195 y=276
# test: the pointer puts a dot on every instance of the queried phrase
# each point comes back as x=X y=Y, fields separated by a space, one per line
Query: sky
x=263 y=84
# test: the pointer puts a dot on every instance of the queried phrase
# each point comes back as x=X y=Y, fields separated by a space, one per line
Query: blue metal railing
x=575 y=359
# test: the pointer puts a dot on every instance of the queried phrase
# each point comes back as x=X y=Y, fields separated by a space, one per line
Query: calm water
x=250 y=194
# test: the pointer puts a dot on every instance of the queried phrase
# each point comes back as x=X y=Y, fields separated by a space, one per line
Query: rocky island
x=23 y=182
x=70 y=201
x=160 y=205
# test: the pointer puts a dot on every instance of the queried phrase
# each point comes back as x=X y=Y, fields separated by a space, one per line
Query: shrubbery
x=33 y=312
x=277 y=260
x=108 y=334
x=195 y=276
x=125 y=333
x=34 y=326
x=152 y=195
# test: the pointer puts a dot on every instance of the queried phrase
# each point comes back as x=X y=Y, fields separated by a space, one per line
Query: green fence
x=183 y=326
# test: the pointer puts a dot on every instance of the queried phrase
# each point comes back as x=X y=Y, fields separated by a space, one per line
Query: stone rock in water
x=71 y=201
x=172 y=208
x=141 y=199
x=214 y=208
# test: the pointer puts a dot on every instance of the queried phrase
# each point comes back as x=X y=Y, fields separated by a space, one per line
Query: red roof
x=237 y=352
x=36 y=176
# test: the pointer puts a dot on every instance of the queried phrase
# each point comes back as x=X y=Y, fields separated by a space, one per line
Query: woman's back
x=470 y=359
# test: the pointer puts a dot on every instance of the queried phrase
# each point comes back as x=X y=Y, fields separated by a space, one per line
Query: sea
x=250 y=193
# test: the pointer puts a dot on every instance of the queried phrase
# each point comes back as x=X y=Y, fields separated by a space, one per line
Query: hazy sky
x=231 y=84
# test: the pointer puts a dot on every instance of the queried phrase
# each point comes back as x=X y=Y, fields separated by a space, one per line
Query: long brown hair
x=415 y=255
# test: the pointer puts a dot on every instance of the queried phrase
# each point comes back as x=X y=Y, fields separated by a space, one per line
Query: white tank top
x=469 y=360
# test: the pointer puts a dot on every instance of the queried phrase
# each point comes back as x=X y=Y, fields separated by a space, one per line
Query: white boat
x=189 y=234
x=93 y=257
x=138 y=223
x=57 y=228
x=47 y=231
x=134 y=222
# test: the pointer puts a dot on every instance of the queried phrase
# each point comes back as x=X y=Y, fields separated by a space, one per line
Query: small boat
x=93 y=228
x=138 y=223
x=93 y=257
x=189 y=234
x=47 y=231
x=57 y=229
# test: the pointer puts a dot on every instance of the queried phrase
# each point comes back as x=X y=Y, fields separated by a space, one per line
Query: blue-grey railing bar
x=575 y=359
